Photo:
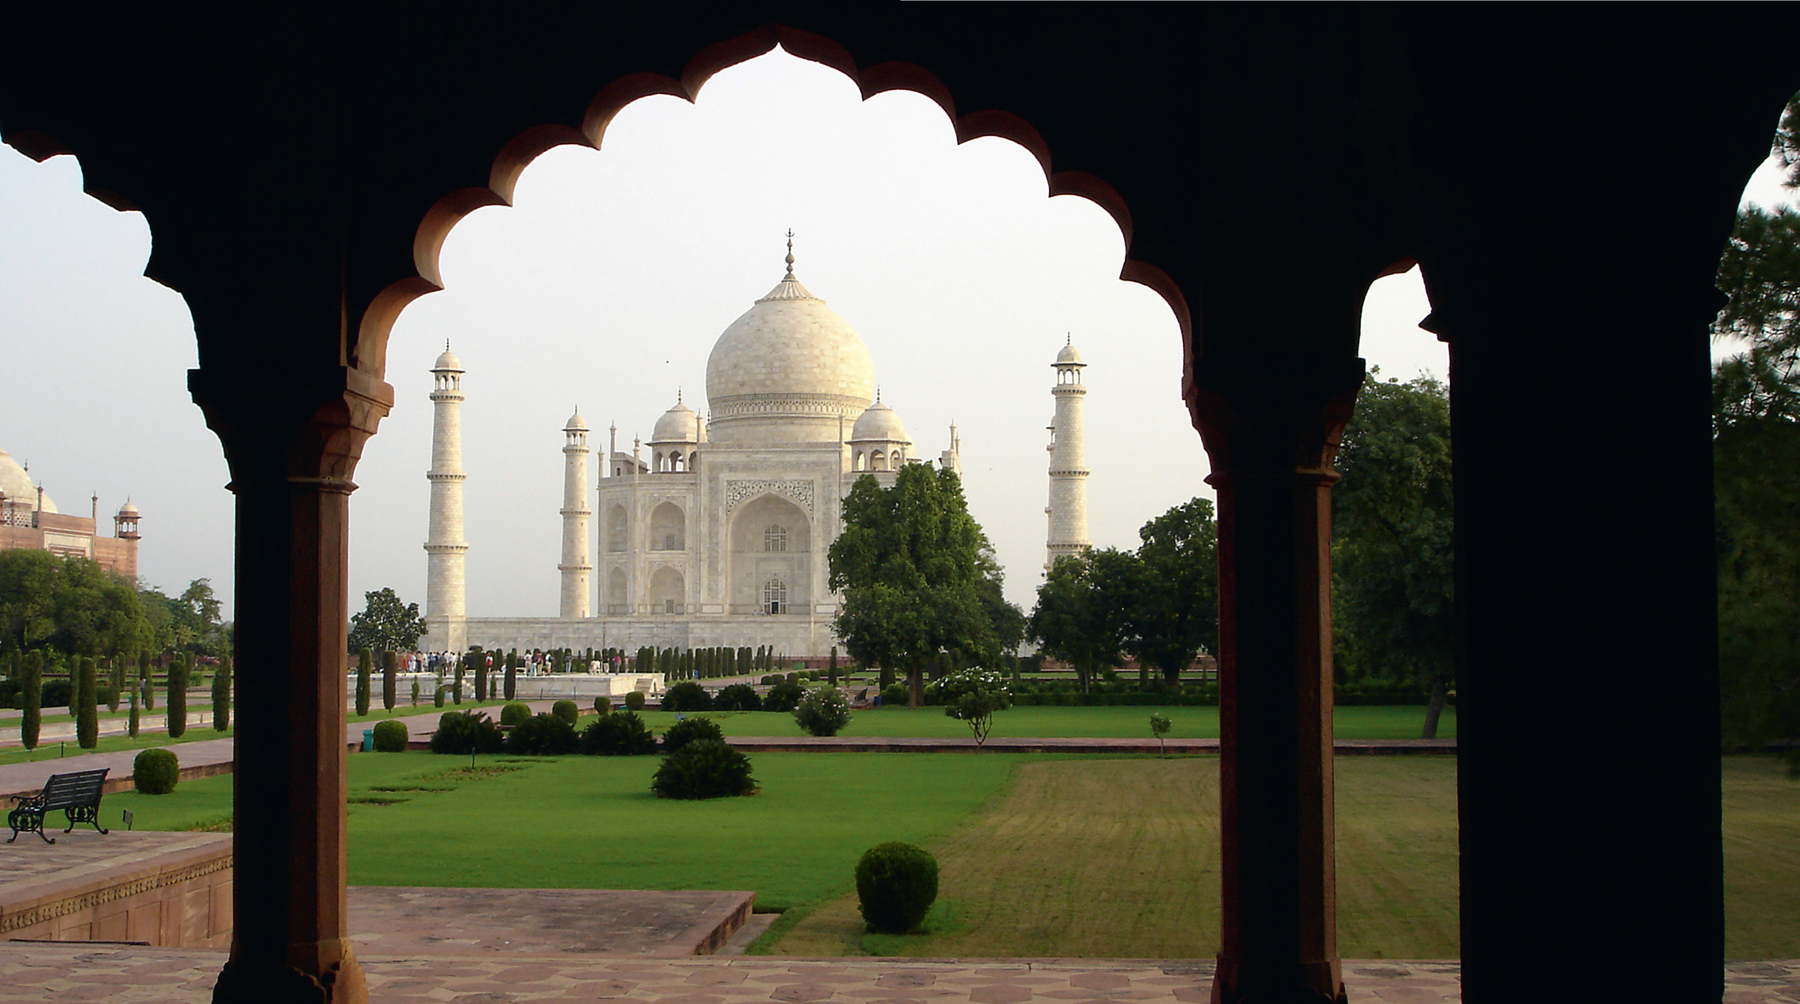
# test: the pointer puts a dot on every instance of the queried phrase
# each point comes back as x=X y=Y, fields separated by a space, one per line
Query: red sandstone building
x=29 y=520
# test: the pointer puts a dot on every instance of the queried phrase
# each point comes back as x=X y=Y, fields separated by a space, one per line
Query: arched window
x=693 y=460
x=775 y=538
x=862 y=461
x=774 y=595
x=880 y=461
x=896 y=460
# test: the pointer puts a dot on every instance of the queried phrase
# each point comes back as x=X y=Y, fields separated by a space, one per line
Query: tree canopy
x=69 y=604
x=188 y=622
x=915 y=570
x=1392 y=544
x=1083 y=611
x=386 y=624
x=1756 y=467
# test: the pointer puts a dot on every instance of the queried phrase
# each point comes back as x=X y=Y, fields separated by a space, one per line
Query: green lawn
x=1042 y=855
x=1065 y=722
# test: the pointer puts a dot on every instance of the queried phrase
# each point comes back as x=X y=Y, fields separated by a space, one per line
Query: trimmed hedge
x=704 y=769
x=155 y=771
x=515 y=713
x=390 y=737
x=466 y=732
x=543 y=735
x=784 y=696
x=737 y=697
x=617 y=733
x=686 y=696
x=896 y=883
x=568 y=711
x=690 y=730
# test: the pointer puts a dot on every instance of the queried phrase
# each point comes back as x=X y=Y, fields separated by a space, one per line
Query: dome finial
x=790 y=254
x=678 y=395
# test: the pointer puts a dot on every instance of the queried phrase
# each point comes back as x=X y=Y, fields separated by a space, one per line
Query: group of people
x=535 y=663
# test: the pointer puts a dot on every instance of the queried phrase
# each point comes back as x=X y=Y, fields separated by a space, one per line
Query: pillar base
x=340 y=983
x=1303 y=990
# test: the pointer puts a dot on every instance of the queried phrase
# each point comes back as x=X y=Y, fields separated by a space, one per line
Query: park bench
x=77 y=794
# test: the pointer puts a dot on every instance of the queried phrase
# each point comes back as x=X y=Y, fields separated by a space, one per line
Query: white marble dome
x=1068 y=356
x=576 y=423
x=677 y=425
x=16 y=483
x=879 y=423
x=787 y=370
x=448 y=361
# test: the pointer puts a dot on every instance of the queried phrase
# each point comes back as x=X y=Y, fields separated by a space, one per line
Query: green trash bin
x=368 y=741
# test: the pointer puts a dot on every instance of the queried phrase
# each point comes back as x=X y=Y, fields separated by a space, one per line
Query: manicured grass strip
x=1063 y=722
x=1105 y=858
x=1762 y=858
x=53 y=749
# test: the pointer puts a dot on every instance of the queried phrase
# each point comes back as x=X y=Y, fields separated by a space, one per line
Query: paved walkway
x=65 y=972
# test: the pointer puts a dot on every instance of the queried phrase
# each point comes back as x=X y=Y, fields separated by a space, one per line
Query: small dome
x=447 y=361
x=128 y=511
x=575 y=424
x=1069 y=357
x=677 y=425
x=879 y=423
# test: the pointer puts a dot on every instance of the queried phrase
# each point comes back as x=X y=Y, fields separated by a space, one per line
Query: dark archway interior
x=1565 y=175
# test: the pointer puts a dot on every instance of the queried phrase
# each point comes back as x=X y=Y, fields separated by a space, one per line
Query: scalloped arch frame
x=428 y=242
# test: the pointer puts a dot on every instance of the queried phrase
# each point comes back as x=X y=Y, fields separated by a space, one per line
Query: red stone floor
x=78 y=972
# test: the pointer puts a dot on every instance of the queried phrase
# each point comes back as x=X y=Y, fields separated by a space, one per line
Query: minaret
x=1068 y=460
x=576 y=569
x=951 y=459
x=444 y=580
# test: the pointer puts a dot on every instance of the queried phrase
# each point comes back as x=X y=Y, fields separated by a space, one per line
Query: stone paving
x=69 y=972
x=387 y=921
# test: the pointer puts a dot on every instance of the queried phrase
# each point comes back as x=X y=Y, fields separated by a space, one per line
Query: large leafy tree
x=386 y=624
x=188 y=622
x=68 y=604
x=1392 y=546
x=1083 y=611
x=911 y=570
x=1176 y=614
x=1756 y=467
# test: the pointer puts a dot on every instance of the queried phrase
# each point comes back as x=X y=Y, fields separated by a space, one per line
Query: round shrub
x=543 y=735
x=771 y=679
x=390 y=736
x=896 y=884
x=737 y=697
x=602 y=704
x=617 y=733
x=515 y=713
x=895 y=694
x=686 y=696
x=568 y=711
x=784 y=696
x=634 y=701
x=704 y=769
x=823 y=712
x=690 y=730
x=155 y=771
x=466 y=732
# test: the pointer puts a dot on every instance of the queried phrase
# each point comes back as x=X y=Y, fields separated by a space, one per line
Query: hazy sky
x=604 y=287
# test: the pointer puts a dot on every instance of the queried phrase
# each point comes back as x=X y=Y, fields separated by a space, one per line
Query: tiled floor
x=44 y=972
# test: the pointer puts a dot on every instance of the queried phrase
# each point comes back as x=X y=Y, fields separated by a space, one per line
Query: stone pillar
x=577 y=567
x=446 y=566
x=1271 y=430
x=292 y=448
x=1068 y=461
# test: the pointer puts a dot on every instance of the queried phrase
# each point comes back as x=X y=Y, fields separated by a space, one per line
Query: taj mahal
x=715 y=531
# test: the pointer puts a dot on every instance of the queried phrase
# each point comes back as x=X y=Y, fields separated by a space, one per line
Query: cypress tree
x=481 y=677
x=221 y=694
x=831 y=667
x=461 y=668
x=87 y=719
x=116 y=677
x=390 y=680
x=132 y=725
x=510 y=685
x=32 y=689
x=144 y=682
x=365 y=663
x=178 y=672
x=415 y=699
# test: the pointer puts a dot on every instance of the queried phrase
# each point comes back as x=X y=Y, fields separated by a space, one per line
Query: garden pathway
x=65 y=972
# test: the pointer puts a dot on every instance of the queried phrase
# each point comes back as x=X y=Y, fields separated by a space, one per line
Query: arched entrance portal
x=772 y=567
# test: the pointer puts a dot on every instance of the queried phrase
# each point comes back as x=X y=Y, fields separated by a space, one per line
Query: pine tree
x=177 y=712
x=221 y=694
x=87 y=701
x=390 y=680
x=31 y=688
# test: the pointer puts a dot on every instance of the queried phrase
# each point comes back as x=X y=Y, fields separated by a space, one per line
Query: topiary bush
x=634 y=701
x=466 y=732
x=686 y=696
x=543 y=735
x=896 y=884
x=690 y=730
x=704 y=769
x=568 y=711
x=823 y=712
x=618 y=733
x=784 y=696
x=155 y=771
x=895 y=694
x=602 y=704
x=515 y=713
x=737 y=697
x=390 y=736
x=437 y=698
